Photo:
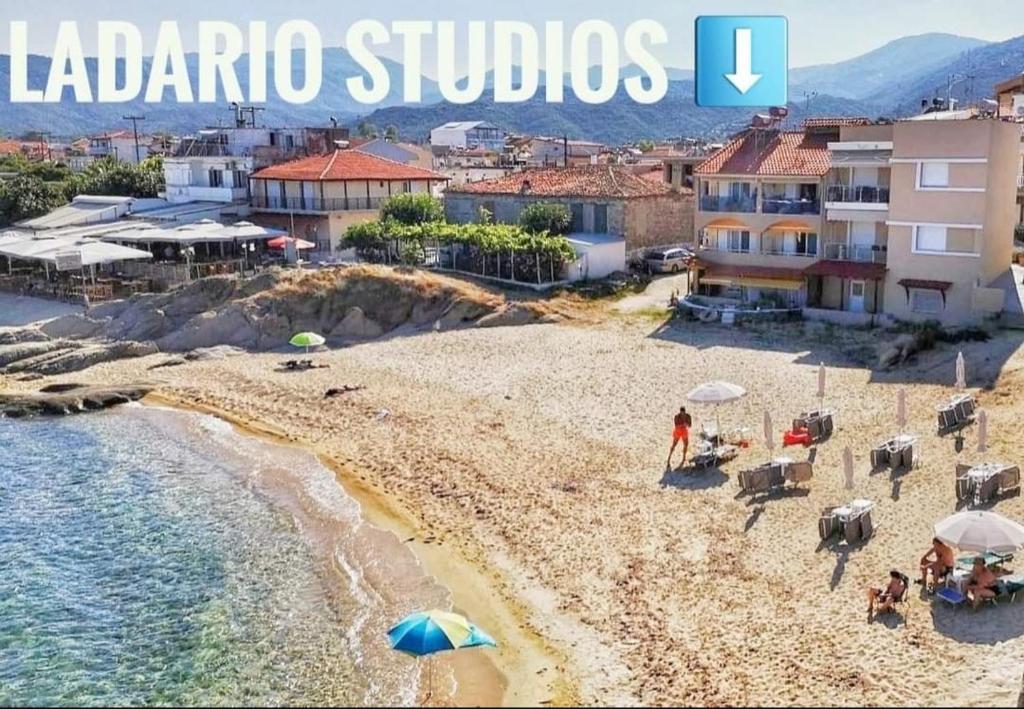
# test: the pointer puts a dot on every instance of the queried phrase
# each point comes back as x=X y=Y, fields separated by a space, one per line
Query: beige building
x=912 y=220
x=1010 y=100
x=319 y=198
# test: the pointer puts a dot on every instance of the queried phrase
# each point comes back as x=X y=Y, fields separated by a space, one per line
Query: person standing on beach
x=680 y=432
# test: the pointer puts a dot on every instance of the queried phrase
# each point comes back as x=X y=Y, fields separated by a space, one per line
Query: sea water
x=150 y=556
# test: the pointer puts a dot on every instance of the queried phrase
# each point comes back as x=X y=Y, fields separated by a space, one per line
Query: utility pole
x=135 y=129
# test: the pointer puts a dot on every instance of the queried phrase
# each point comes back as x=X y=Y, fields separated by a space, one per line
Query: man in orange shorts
x=680 y=432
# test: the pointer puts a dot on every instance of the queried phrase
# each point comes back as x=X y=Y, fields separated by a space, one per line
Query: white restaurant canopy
x=47 y=250
x=205 y=231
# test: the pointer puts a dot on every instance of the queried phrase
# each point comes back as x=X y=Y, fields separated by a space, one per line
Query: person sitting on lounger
x=982 y=583
x=942 y=563
x=680 y=432
x=886 y=597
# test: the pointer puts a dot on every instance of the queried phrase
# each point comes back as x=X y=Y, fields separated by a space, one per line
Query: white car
x=668 y=260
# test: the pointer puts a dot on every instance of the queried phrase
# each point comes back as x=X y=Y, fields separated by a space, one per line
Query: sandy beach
x=527 y=466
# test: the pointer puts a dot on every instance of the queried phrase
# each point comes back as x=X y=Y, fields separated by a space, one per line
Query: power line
x=135 y=129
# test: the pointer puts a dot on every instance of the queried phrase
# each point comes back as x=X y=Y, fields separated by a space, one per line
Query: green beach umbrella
x=307 y=340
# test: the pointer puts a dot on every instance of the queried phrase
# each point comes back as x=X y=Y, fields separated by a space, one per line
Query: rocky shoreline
x=66 y=399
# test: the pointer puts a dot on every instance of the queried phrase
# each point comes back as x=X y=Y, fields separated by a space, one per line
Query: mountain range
x=891 y=80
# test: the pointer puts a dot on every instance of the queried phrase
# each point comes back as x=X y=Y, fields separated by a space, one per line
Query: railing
x=745 y=204
x=790 y=205
x=861 y=194
x=315 y=204
x=865 y=254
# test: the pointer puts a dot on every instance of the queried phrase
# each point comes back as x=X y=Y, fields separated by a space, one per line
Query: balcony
x=311 y=204
x=861 y=195
x=1020 y=182
x=860 y=254
x=746 y=204
x=790 y=205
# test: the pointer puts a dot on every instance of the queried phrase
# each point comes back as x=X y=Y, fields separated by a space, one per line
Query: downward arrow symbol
x=744 y=78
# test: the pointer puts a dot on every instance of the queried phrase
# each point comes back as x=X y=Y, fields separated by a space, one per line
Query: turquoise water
x=155 y=557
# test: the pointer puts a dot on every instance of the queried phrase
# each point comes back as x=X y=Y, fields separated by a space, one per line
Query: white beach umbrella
x=716 y=393
x=981 y=532
x=769 y=435
x=848 y=467
x=901 y=409
x=982 y=431
x=961 y=372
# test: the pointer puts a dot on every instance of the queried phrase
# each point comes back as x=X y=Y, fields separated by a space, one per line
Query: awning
x=925 y=284
x=90 y=251
x=727 y=223
x=791 y=225
x=751 y=276
x=857 y=270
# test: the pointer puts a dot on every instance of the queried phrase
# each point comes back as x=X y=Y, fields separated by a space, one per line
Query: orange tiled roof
x=581 y=181
x=344 y=165
x=785 y=153
x=10 y=147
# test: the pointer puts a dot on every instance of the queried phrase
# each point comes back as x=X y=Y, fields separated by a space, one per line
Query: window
x=934 y=174
x=927 y=302
x=930 y=238
x=600 y=218
x=806 y=244
x=216 y=178
x=739 y=240
x=241 y=178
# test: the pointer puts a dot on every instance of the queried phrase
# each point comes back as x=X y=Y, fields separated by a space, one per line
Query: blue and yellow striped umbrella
x=428 y=632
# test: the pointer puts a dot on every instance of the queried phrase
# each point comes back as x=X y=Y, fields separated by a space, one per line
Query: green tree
x=111 y=177
x=412 y=208
x=391 y=133
x=541 y=217
x=645 y=146
x=365 y=129
x=25 y=196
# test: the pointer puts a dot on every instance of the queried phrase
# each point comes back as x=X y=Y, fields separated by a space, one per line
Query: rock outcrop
x=64 y=399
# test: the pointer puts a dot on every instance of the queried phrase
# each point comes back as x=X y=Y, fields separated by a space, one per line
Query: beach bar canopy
x=91 y=252
x=204 y=231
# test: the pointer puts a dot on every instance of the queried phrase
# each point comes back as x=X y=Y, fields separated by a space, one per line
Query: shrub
x=551 y=218
x=411 y=208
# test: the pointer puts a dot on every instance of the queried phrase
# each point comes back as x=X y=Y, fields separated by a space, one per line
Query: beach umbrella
x=821 y=385
x=716 y=393
x=901 y=409
x=961 y=372
x=307 y=340
x=429 y=632
x=982 y=431
x=281 y=242
x=981 y=532
x=848 y=467
x=769 y=436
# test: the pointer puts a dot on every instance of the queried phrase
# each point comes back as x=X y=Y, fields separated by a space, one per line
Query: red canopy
x=282 y=241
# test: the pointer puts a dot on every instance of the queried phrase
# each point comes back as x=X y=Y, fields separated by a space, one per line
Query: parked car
x=668 y=260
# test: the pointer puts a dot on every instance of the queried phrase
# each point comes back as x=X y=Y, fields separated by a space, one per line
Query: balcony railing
x=790 y=205
x=314 y=204
x=861 y=194
x=745 y=204
x=865 y=254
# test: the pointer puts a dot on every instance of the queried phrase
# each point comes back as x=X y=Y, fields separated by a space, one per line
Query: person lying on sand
x=886 y=598
x=680 y=432
x=939 y=560
x=982 y=583
x=338 y=391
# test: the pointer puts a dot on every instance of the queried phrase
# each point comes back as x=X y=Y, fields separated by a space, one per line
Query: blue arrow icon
x=741 y=60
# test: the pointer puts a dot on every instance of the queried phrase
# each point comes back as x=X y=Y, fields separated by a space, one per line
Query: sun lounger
x=1009 y=587
x=951 y=596
x=828 y=523
x=955 y=413
x=1009 y=480
x=992 y=559
x=986 y=490
x=799 y=472
x=710 y=455
x=818 y=424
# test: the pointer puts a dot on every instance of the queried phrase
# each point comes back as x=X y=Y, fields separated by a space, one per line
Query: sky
x=821 y=31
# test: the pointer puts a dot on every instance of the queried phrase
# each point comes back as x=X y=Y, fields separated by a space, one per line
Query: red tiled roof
x=836 y=121
x=926 y=284
x=580 y=181
x=344 y=165
x=786 y=153
x=857 y=270
x=721 y=270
